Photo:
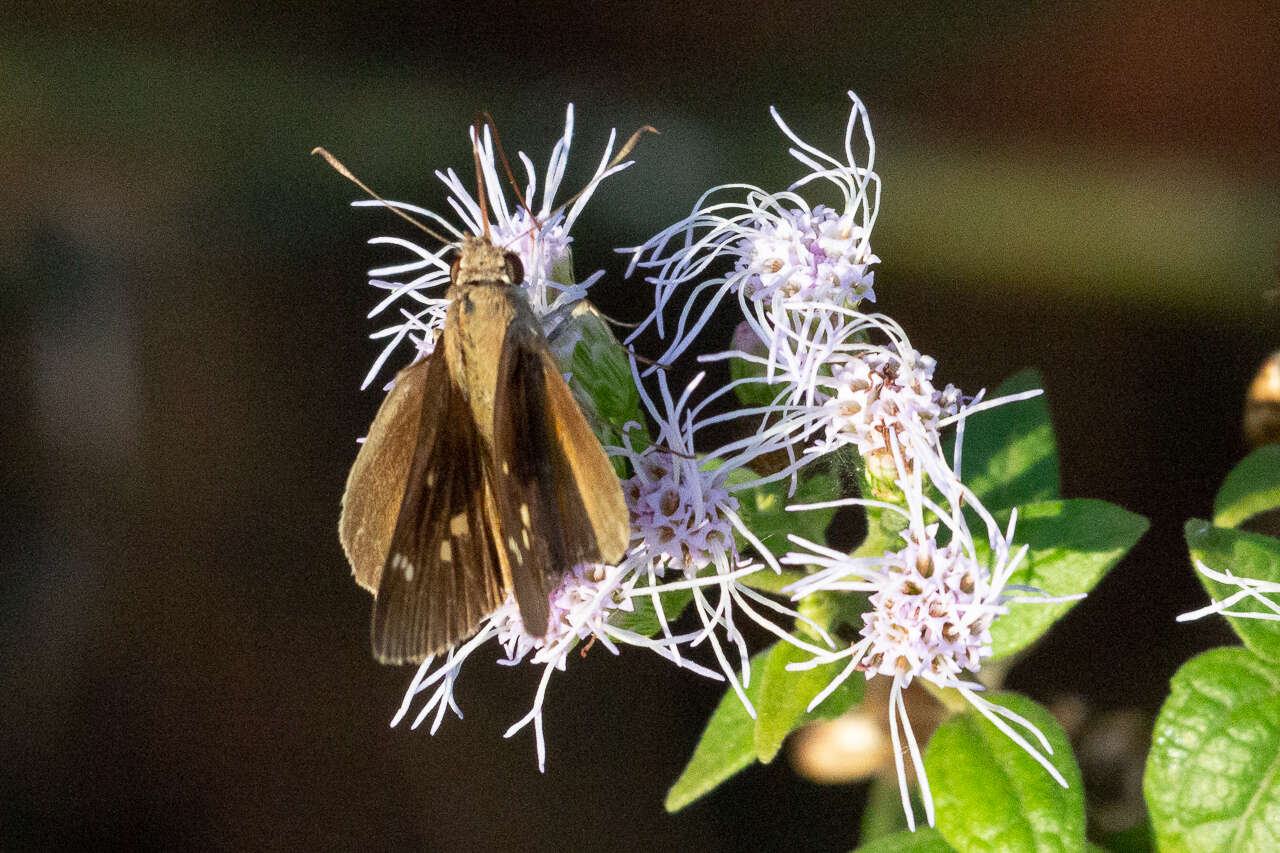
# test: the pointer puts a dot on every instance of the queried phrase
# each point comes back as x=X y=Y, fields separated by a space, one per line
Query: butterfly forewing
x=441 y=575
x=584 y=476
x=542 y=443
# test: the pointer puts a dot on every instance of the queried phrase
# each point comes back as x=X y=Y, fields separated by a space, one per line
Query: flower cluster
x=686 y=520
x=927 y=612
x=819 y=255
x=678 y=509
x=839 y=377
x=882 y=392
x=931 y=606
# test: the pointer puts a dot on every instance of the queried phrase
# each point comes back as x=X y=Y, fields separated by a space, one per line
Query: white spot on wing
x=446 y=551
x=458 y=524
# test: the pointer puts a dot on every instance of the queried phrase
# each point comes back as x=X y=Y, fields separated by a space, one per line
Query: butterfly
x=480 y=476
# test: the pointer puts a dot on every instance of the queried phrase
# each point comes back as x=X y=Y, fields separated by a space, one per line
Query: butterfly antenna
x=617 y=158
x=506 y=166
x=480 y=192
x=644 y=359
x=619 y=323
x=346 y=173
x=673 y=451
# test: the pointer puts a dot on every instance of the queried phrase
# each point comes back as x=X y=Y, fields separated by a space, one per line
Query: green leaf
x=728 y=745
x=643 y=618
x=1072 y=545
x=923 y=840
x=1252 y=487
x=1250 y=555
x=1010 y=454
x=784 y=695
x=1134 y=839
x=1213 y=777
x=991 y=795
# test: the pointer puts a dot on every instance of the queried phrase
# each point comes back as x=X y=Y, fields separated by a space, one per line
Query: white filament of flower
x=1255 y=590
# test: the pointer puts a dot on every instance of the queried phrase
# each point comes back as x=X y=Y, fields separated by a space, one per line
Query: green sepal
x=600 y=373
x=562 y=270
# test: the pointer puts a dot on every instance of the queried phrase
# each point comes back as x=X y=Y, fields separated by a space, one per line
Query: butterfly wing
x=441 y=574
x=583 y=467
x=558 y=500
x=376 y=483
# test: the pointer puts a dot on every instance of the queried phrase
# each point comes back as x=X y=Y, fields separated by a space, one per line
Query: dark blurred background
x=1091 y=189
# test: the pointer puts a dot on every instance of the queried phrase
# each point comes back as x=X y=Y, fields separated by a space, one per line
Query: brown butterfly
x=480 y=475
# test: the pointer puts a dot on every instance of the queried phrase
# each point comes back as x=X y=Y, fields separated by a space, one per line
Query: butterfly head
x=479 y=261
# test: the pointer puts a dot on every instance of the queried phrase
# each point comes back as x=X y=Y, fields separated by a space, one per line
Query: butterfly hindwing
x=441 y=575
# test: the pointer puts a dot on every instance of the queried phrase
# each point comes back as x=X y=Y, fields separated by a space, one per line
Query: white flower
x=581 y=607
x=818 y=256
x=542 y=242
x=838 y=376
x=927 y=611
x=880 y=391
x=798 y=270
x=679 y=510
x=932 y=602
x=1254 y=589
x=684 y=515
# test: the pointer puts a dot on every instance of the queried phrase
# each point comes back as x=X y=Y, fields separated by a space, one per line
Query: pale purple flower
x=582 y=605
x=798 y=270
x=684 y=516
x=931 y=602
